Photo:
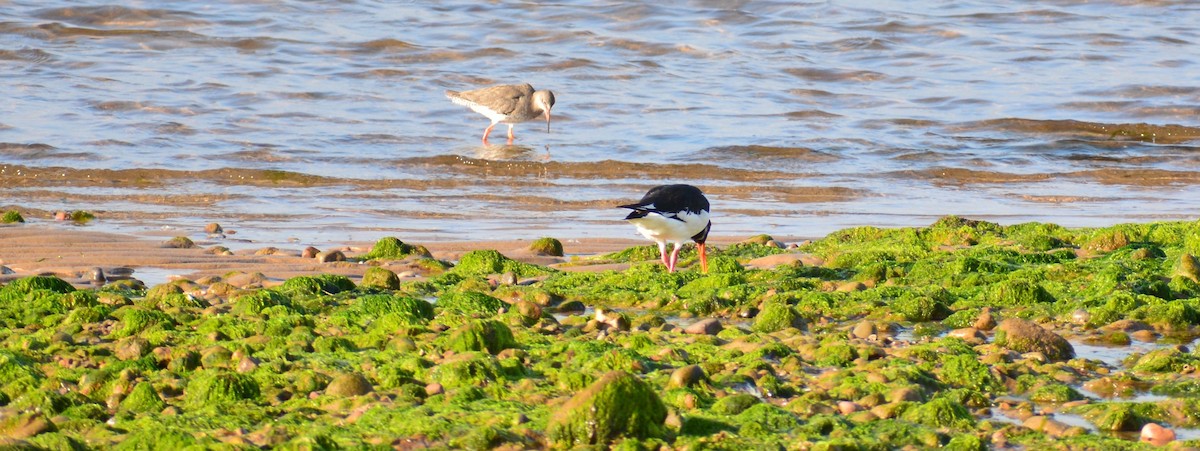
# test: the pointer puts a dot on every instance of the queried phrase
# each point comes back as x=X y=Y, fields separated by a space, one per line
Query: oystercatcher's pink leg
x=674 y=257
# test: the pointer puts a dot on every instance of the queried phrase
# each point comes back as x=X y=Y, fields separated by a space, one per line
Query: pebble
x=864 y=329
x=434 y=388
x=96 y=275
x=213 y=229
x=970 y=335
x=331 y=256
x=986 y=320
x=710 y=326
x=1157 y=435
x=848 y=407
x=310 y=252
x=687 y=376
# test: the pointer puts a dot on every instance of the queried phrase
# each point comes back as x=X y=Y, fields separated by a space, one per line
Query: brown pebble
x=848 y=407
x=434 y=389
x=986 y=320
x=1157 y=435
x=267 y=251
x=709 y=326
x=61 y=216
x=310 y=252
x=331 y=256
x=213 y=229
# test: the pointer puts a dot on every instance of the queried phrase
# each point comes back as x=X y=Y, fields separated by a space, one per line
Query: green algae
x=547 y=246
x=509 y=395
x=485 y=335
x=617 y=405
x=218 y=387
x=493 y=262
x=940 y=412
x=143 y=398
x=12 y=216
x=382 y=278
x=470 y=303
x=322 y=284
x=391 y=248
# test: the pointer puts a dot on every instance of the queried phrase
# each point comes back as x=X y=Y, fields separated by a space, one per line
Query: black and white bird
x=673 y=214
x=509 y=104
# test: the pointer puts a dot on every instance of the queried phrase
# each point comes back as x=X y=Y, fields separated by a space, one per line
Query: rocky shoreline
x=963 y=335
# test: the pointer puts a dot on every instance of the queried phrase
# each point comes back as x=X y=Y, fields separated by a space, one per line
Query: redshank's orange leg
x=510 y=134
x=487 y=132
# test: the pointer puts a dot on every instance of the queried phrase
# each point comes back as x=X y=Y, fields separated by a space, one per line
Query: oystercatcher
x=509 y=104
x=673 y=214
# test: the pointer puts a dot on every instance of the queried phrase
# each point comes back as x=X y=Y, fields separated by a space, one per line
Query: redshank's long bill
x=673 y=214
x=510 y=104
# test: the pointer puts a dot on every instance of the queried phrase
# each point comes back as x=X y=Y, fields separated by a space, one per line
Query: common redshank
x=673 y=214
x=509 y=104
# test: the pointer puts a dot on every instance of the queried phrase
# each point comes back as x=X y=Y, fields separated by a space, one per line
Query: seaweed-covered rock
x=11 y=216
x=25 y=425
x=17 y=289
x=470 y=303
x=687 y=376
x=391 y=248
x=316 y=285
x=469 y=369
x=214 y=387
x=776 y=315
x=1188 y=268
x=617 y=405
x=493 y=262
x=379 y=277
x=1026 y=336
x=143 y=399
x=735 y=404
x=349 y=384
x=484 y=335
x=940 y=412
x=547 y=246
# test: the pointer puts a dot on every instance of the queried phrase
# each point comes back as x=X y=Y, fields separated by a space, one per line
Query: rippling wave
x=318 y=119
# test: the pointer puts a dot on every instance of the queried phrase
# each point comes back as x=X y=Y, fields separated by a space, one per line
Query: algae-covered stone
x=379 y=277
x=391 y=248
x=485 y=335
x=547 y=246
x=492 y=262
x=1188 y=268
x=965 y=370
x=179 y=242
x=939 y=413
x=776 y=315
x=1112 y=416
x=1017 y=292
x=349 y=384
x=1026 y=336
x=17 y=289
x=12 y=216
x=734 y=404
x=316 y=285
x=617 y=405
x=1108 y=240
x=469 y=369
x=687 y=376
x=254 y=302
x=1055 y=392
x=1164 y=360
x=143 y=399
x=470 y=302
x=218 y=387
x=25 y=425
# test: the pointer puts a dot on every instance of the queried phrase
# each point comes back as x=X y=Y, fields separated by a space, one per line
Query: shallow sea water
x=325 y=121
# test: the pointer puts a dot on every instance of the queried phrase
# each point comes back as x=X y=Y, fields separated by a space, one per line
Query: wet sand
x=74 y=255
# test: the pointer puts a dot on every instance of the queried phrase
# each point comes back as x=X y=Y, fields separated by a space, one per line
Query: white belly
x=669 y=230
